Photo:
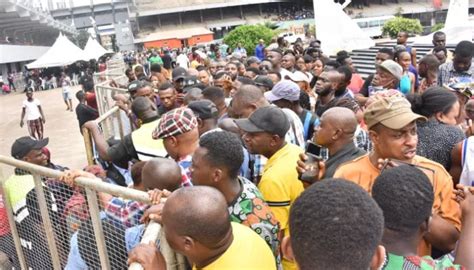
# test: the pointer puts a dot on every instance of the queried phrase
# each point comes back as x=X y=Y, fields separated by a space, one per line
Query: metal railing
x=100 y=240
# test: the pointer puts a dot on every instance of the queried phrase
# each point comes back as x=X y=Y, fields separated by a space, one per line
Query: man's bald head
x=142 y=106
x=198 y=212
x=161 y=173
x=341 y=118
x=246 y=100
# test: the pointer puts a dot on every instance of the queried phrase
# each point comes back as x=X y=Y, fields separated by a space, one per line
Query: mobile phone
x=313 y=152
x=313 y=149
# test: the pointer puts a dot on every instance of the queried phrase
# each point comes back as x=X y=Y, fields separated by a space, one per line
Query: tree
x=399 y=24
x=437 y=27
x=81 y=39
x=270 y=25
x=248 y=36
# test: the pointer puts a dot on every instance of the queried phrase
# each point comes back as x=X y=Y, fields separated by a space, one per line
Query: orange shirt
x=362 y=172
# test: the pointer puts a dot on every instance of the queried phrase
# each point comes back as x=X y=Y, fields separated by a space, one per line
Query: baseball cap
x=298 y=76
x=392 y=67
x=190 y=81
x=204 y=109
x=284 y=90
x=175 y=122
x=391 y=111
x=269 y=119
x=179 y=73
x=22 y=146
x=262 y=80
x=134 y=86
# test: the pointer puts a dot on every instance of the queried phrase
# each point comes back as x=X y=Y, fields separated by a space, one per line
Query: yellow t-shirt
x=280 y=187
x=248 y=251
x=363 y=172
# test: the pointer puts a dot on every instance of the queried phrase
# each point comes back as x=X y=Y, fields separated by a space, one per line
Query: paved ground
x=65 y=140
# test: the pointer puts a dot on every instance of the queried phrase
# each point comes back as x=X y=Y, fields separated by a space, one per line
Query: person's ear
x=174 y=141
x=425 y=226
x=440 y=116
x=200 y=122
x=379 y=258
x=253 y=107
x=188 y=243
x=287 y=249
x=374 y=137
x=275 y=139
x=217 y=175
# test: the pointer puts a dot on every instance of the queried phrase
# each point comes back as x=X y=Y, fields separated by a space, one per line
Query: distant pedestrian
x=11 y=83
x=260 y=50
x=66 y=85
x=34 y=115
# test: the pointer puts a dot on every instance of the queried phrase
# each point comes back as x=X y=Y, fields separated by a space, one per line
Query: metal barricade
x=53 y=225
x=111 y=124
x=115 y=68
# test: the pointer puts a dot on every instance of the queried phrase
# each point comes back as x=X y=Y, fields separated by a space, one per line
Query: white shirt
x=295 y=134
x=66 y=83
x=31 y=109
x=183 y=61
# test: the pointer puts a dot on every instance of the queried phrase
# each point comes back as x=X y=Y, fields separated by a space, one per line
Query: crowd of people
x=283 y=160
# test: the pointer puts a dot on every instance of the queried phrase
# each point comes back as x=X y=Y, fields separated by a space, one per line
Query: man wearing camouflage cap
x=179 y=131
x=392 y=129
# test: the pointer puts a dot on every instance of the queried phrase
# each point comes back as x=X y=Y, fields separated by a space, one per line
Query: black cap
x=22 y=146
x=134 y=86
x=269 y=119
x=262 y=80
x=204 y=109
x=179 y=73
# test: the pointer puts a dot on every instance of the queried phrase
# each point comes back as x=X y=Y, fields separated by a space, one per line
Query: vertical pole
x=118 y=115
x=97 y=225
x=48 y=226
x=13 y=230
x=88 y=145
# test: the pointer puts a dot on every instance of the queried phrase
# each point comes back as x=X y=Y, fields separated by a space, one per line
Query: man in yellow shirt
x=392 y=129
x=264 y=134
x=196 y=224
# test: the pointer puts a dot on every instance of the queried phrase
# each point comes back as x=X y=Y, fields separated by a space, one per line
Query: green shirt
x=395 y=262
x=156 y=60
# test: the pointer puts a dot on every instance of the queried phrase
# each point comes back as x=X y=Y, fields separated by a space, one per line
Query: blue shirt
x=260 y=52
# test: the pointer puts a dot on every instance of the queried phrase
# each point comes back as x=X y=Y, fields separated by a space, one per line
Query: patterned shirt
x=436 y=140
x=185 y=165
x=126 y=212
x=395 y=262
x=251 y=210
x=447 y=73
x=362 y=139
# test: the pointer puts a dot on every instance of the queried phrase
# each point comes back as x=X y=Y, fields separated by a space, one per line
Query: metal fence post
x=97 y=225
x=120 y=124
x=48 y=226
x=88 y=145
x=11 y=222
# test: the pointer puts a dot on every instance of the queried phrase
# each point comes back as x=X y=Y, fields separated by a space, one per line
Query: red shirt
x=4 y=226
x=91 y=100
x=356 y=83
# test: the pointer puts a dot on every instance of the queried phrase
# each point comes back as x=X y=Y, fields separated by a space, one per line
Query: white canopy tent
x=93 y=49
x=457 y=27
x=62 y=53
x=336 y=30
